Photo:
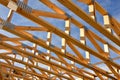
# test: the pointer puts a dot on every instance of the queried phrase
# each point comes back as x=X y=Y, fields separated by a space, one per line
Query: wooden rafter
x=57 y=62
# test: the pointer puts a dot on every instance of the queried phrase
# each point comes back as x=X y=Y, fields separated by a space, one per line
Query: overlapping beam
x=54 y=50
x=89 y=20
x=69 y=70
x=60 y=33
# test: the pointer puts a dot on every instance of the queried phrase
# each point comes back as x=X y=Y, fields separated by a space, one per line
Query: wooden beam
x=89 y=20
x=100 y=76
x=27 y=12
x=48 y=14
x=19 y=61
x=21 y=70
x=52 y=6
x=60 y=33
x=77 y=52
x=43 y=60
x=30 y=28
x=113 y=71
x=38 y=42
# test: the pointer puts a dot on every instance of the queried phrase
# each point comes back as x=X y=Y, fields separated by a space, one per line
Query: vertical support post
x=67 y=31
x=91 y=8
x=34 y=48
x=107 y=27
x=106 y=48
x=73 y=63
x=36 y=63
x=49 y=37
x=107 y=23
x=83 y=41
x=25 y=59
x=34 y=52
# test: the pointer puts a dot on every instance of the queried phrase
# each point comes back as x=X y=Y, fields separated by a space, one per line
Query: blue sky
x=112 y=6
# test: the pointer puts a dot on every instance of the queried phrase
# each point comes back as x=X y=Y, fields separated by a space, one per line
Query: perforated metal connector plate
x=1 y=26
x=7 y=24
x=24 y=6
x=14 y=52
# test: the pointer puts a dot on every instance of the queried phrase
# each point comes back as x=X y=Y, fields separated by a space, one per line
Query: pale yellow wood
x=82 y=32
x=91 y=8
x=60 y=67
x=106 y=20
x=12 y=5
x=106 y=49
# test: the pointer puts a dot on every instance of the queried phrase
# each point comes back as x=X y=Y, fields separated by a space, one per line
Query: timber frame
x=40 y=65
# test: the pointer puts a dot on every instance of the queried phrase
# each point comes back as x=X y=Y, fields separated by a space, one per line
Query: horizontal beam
x=43 y=60
x=30 y=65
x=55 y=30
x=39 y=21
x=52 y=6
x=60 y=33
x=75 y=9
x=55 y=51
x=21 y=70
x=97 y=6
x=48 y=14
x=30 y=28
x=13 y=39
